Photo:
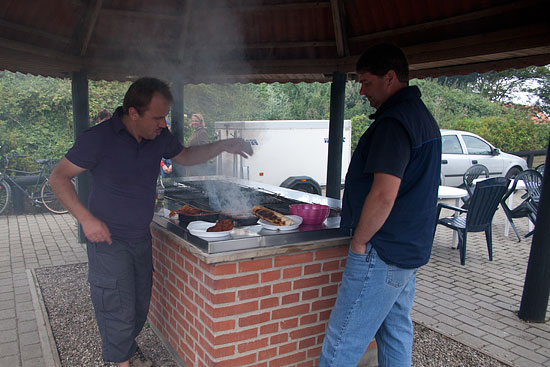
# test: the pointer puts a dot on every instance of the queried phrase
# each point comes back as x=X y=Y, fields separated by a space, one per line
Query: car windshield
x=476 y=145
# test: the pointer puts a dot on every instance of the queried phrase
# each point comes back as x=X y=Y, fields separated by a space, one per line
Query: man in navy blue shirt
x=123 y=155
x=388 y=208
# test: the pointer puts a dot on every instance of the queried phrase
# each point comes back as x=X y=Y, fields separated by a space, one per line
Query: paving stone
x=24 y=306
x=496 y=340
x=521 y=334
x=545 y=335
x=470 y=340
x=5 y=305
x=424 y=319
x=523 y=362
x=37 y=362
x=8 y=336
x=446 y=329
x=7 y=314
x=525 y=343
x=9 y=349
x=499 y=352
x=447 y=320
x=7 y=324
x=468 y=320
x=529 y=354
x=11 y=361
x=471 y=330
x=26 y=315
x=31 y=351
x=26 y=326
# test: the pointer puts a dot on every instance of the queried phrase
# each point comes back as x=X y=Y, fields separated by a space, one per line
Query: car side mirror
x=496 y=151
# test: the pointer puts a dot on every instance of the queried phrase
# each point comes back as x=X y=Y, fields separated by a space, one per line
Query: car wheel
x=512 y=172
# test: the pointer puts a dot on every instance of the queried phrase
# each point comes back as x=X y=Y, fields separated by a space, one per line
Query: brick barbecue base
x=267 y=311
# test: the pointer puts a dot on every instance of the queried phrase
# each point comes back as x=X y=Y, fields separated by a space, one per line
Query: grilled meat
x=221 y=226
x=190 y=211
x=272 y=216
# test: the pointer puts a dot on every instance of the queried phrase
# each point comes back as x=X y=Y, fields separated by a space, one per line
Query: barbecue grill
x=236 y=197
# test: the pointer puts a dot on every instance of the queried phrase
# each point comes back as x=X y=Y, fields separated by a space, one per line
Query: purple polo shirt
x=124 y=174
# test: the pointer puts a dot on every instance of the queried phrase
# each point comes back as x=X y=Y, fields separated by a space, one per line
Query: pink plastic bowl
x=311 y=213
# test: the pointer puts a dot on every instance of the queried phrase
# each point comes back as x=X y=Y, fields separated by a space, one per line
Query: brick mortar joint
x=238 y=354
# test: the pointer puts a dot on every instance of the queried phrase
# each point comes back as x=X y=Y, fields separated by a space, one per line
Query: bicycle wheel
x=5 y=195
x=50 y=201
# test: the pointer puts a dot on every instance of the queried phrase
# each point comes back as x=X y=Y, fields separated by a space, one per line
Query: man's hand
x=358 y=247
x=238 y=146
x=95 y=230
x=189 y=156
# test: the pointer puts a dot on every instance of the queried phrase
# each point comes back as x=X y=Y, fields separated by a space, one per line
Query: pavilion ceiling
x=266 y=40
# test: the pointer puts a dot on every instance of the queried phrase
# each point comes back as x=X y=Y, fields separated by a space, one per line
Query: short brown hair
x=141 y=92
x=381 y=58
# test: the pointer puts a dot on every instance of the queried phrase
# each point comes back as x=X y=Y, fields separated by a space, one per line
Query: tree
x=500 y=86
x=542 y=88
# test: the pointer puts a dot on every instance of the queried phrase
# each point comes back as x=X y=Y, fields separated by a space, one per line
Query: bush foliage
x=36 y=112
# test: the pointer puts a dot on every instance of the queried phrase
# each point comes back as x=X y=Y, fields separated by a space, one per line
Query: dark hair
x=104 y=115
x=141 y=91
x=380 y=59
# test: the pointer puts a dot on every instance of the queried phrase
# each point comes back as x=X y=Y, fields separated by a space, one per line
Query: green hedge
x=504 y=132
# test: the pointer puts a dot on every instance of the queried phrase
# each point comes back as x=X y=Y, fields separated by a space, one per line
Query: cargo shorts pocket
x=104 y=293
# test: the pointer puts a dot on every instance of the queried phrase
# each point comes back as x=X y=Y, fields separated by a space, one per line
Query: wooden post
x=336 y=135
x=81 y=121
x=536 y=288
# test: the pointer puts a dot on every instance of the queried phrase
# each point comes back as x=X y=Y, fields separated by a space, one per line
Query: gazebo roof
x=266 y=40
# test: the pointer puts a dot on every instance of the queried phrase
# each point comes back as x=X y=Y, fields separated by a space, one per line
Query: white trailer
x=288 y=153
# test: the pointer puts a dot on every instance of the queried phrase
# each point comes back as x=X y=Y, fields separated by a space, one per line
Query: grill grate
x=193 y=194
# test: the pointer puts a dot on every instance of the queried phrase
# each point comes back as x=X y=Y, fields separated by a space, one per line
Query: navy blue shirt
x=404 y=140
x=124 y=174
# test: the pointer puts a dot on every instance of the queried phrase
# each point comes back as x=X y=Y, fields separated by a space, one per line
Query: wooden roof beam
x=185 y=19
x=519 y=38
x=140 y=14
x=89 y=22
x=476 y=15
x=39 y=51
x=462 y=69
x=270 y=7
x=339 y=21
x=35 y=31
x=293 y=44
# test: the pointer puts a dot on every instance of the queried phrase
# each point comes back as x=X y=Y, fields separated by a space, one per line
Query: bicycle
x=41 y=192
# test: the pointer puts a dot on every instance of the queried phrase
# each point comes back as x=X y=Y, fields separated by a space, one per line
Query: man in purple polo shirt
x=123 y=155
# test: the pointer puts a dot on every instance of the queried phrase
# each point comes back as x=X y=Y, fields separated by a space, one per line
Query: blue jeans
x=374 y=300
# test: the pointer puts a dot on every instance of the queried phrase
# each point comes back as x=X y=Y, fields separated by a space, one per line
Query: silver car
x=462 y=149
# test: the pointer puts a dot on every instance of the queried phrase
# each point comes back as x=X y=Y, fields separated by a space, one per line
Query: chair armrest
x=447 y=206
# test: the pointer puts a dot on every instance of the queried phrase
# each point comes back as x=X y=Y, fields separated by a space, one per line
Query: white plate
x=199 y=227
x=297 y=221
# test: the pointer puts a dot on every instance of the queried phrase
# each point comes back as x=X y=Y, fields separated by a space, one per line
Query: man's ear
x=133 y=113
x=391 y=77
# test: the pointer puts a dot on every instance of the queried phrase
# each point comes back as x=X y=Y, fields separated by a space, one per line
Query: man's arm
x=201 y=153
x=60 y=181
x=376 y=209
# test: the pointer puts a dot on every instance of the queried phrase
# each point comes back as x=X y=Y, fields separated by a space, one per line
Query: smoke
x=202 y=42
x=230 y=198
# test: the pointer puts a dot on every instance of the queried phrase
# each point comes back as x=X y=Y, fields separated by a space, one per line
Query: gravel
x=66 y=295
x=67 y=298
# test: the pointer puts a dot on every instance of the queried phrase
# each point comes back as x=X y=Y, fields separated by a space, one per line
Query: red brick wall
x=269 y=311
